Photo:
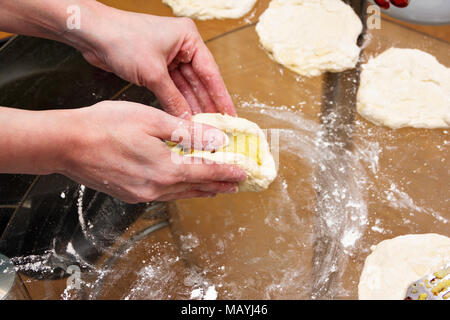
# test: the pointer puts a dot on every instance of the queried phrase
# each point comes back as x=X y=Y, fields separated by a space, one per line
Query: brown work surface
x=4 y=35
x=440 y=32
x=208 y=29
x=261 y=245
x=213 y=28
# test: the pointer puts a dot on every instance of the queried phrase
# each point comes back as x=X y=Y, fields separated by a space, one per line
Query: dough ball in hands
x=247 y=147
x=405 y=88
x=396 y=263
x=211 y=9
x=311 y=37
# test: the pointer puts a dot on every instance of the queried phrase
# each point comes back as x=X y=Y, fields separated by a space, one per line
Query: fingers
x=204 y=172
x=187 y=133
x=170 y=97
x=211 y=187
x=198 y=67
x=186 y=90
x=190 y=82
x=95 y=61
x=198 y=88
x=196 y=190
x=206 y=69
x=186 y=195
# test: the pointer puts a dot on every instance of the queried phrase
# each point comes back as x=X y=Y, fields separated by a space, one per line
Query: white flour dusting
x=200 y=294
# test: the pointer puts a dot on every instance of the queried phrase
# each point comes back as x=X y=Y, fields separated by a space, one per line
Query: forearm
x=49 y=19
x=35 y=142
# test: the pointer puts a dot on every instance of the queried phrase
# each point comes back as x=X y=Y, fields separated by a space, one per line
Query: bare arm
x=166 y=55
x=115 y=147
x=33 y=142
x=48 y=19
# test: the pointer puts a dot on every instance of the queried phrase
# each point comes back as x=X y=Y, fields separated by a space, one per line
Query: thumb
x=170 y=97
x=189 y=134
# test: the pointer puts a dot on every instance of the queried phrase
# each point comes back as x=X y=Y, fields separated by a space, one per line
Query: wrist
x=73 y=22
x=34 y=142
x=84 y=34
x=55 y=133
x=65 y=134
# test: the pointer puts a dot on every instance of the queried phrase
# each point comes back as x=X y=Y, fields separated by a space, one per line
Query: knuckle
x=181 y=174
x=167 y=179
x=142 y=194
x=215 y=171
x=208 y=72
x=173 y=100
x=156 y=76
x=188 y=23
x=146 y=195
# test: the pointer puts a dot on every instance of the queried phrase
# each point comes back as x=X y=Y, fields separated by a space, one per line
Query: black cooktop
x=39 y=215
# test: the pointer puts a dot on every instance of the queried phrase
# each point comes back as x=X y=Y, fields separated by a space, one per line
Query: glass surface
x=379 y=184
x=11 y=285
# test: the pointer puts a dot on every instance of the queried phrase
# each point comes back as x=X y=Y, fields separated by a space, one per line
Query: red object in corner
x=400 y=3
x=383 y=3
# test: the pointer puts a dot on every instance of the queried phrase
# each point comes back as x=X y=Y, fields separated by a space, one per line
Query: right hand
x=166 y=55
x=117 y=149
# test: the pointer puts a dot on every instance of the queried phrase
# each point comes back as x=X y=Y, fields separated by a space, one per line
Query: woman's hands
x=125 y=156
x=117 y=148
x=166 y=55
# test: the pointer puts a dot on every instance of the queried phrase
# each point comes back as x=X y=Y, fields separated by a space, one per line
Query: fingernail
x=232 y=190
x=185 y=115
x=215 y=139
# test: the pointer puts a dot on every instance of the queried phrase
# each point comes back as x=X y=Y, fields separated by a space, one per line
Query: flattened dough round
x=311 y=36
x=405 y=88
x=396 y=263
x=211 y=9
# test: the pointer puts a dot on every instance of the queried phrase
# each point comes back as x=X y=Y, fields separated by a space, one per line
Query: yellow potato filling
x=239 y=143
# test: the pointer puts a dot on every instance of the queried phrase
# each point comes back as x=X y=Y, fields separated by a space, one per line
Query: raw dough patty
x=396 y=263
x=247 y=148
x=311 y=36
x=211 y=9
x=405 y=88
